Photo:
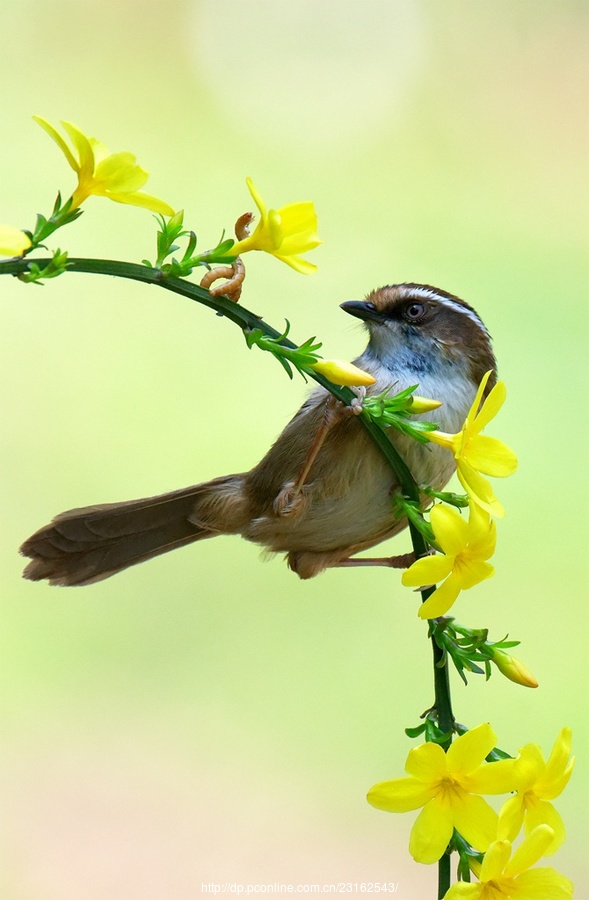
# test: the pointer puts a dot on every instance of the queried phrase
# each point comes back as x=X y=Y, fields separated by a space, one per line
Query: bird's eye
x=414 y=312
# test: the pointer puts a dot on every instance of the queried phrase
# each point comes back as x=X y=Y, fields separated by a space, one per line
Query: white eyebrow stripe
x=427 y=293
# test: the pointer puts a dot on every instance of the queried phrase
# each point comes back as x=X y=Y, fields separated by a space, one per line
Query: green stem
x=246 y=319
x=443 y=876
x=442 y=702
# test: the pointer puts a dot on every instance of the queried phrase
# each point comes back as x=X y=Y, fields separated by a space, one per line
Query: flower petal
x=120 y=173
x=431 y=832
x=256 y=197
x=299 y=224
x=450 y=529
x=298 y=264
x=84 y=148
x=483 y=532
x=491 y=778
x=493 y=403
x=496 y=858
x=464 y=891
x=543 y=883
x=475 y=820
x=551 y=789
x=426 y=763
x=511 y=818
x=146 y=201
x=54 y=135
x=528 y=766
x=469 y=422
x=491 y=456
x=479 y=489
x=473 y=571
x=543 y=813
x=468 y=752
x=428 y=570
x=399 y=795
x=441 y=600
x=275 y=232
x=558 y=759
x=530 y=850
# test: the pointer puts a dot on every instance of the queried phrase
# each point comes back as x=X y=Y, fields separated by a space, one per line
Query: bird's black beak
x=362 y=309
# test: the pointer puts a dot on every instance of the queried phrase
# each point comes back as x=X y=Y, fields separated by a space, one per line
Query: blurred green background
x=208 y=717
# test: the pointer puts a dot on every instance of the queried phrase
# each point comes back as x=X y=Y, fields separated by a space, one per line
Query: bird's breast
x=347 y=498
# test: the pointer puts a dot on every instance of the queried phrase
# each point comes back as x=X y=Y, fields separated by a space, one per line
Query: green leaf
x=415 y=732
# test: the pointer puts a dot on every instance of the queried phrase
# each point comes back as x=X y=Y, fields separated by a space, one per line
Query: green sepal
x=459 y=500
x=55 y=267
x=469 y=648
x=430 y=728
x=172 y=230
x=434 y=734
x=396 y=412
x=44 y=227
x=221 y=254
x=300 y=358
x=466 y=853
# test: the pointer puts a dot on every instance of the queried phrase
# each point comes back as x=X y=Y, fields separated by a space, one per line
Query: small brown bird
x=323 y=491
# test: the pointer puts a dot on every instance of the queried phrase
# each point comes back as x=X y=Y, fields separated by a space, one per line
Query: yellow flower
x=512 y=877
x=537 y=783
x=343 y=372
x=466 y=546
x=445 y=785
x=513 y=668
x=476 y=453
x=285 y=232
x=13 y=241
x=114 y=175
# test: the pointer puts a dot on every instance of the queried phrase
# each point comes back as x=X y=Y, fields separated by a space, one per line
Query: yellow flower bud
x=423 y=404
x=343 y=373
x=513 y=669
x=13 y=241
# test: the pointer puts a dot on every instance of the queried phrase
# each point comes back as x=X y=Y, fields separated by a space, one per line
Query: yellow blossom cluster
x=448 y=788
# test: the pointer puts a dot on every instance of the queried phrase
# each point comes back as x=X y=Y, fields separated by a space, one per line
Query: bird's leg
x=289 y=501
x=392 y=562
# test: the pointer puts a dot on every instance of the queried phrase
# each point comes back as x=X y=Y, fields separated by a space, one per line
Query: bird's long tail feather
x=82 y=546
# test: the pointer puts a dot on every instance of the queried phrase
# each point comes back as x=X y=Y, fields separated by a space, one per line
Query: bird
x=323 y=492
